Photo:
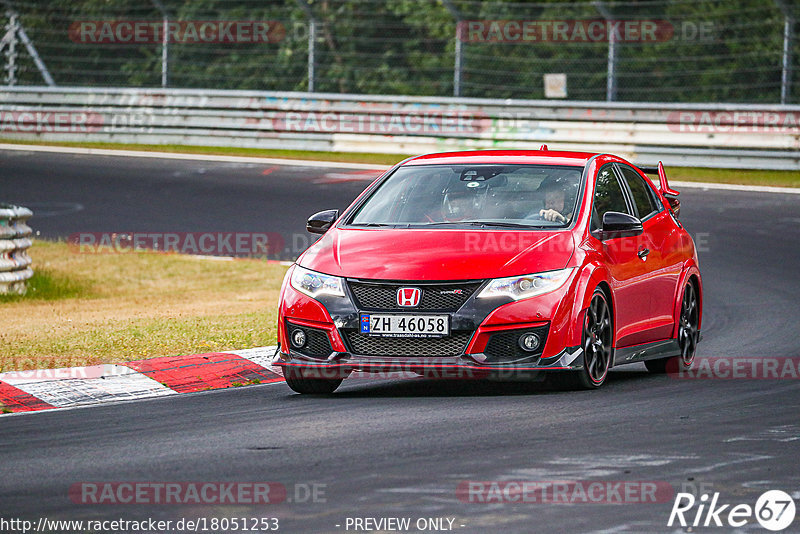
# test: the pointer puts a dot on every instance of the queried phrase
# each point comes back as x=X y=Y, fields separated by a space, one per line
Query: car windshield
x=473 y=196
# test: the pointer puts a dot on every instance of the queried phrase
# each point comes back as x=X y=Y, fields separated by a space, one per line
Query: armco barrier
x=15 y=240
x=709 y=135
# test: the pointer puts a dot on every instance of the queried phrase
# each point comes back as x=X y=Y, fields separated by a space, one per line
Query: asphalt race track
x=402 y=448
x=77 y=193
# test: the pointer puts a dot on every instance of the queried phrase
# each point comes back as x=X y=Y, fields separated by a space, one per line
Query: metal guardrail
x=15 y=240
x=708 y=135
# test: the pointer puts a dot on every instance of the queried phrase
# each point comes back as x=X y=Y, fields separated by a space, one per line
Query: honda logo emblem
x=408 y=297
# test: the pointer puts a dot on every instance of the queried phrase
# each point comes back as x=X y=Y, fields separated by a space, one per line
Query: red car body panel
x=392 y=254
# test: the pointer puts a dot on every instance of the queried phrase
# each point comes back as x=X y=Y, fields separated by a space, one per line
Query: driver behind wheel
x=559 y=195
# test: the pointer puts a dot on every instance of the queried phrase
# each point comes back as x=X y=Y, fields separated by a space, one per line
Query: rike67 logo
x=774 y=510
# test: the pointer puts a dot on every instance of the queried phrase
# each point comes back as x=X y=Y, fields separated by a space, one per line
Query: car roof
x=531 y=157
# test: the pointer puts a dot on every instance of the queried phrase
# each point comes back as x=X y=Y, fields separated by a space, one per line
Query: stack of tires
x=15 y=239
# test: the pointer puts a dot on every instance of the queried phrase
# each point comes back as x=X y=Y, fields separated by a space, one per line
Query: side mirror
x=319 y=223
x=674 y=205
x=616 y=224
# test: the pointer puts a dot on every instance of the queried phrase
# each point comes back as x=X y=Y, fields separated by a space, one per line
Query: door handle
x=643 y=253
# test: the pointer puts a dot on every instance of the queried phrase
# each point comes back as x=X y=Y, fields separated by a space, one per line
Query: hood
x=403 y=254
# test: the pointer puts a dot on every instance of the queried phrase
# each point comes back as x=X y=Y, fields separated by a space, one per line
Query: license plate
x=378 y=324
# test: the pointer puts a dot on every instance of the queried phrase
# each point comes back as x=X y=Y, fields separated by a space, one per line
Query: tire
x=301 y=383
x=688 y=333
x=597 y=344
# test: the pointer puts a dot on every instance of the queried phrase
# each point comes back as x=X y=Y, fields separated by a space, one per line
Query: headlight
x=526 y=286
x=315 y=284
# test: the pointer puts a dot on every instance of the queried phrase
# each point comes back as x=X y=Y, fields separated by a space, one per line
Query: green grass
x=122 y=339
x=85 y=309
x=695 y=174
x=47 y=285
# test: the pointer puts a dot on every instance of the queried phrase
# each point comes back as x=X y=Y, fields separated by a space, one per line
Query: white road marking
x=260 y=356
x=105 y=370
x=107 y=383
x=737 y=187
x=79 y=391
x=191 y=157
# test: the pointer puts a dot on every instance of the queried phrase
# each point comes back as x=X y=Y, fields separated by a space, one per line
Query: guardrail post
x=312 y=44
x=611 y=77
x=9 y=42
x=20 y=33
x=15 y=240
x=788 y=34
x=459 y=52
x=312 y=54
x=164 y=42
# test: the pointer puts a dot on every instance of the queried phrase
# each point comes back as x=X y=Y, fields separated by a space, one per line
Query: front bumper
x=342 y=364
x=487 y=333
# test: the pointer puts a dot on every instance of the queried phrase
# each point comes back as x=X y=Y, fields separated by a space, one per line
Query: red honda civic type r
x=495 y=264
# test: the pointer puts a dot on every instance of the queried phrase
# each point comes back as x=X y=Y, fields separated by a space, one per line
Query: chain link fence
x=741 y=51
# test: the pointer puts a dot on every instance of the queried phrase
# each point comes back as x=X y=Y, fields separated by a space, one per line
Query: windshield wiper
x=479 y=223
x=501 y=224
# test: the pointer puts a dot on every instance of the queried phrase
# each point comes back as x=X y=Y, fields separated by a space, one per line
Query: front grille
x=451 y=345
x=317 y=343
x=504 y=346
x=438 y=297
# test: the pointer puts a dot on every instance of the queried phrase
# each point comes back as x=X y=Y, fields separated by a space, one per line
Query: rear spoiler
x=662 y=178
x=670 y=194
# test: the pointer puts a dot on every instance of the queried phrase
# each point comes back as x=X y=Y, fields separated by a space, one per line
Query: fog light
x=529 y=342
x=298 y=338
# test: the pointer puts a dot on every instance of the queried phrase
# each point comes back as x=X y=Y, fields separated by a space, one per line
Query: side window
x=642 y=195
x=607 y=196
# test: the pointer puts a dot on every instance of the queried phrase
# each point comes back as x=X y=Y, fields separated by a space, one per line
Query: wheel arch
x=593 y=276
x=690 y=274
x=605 y=288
